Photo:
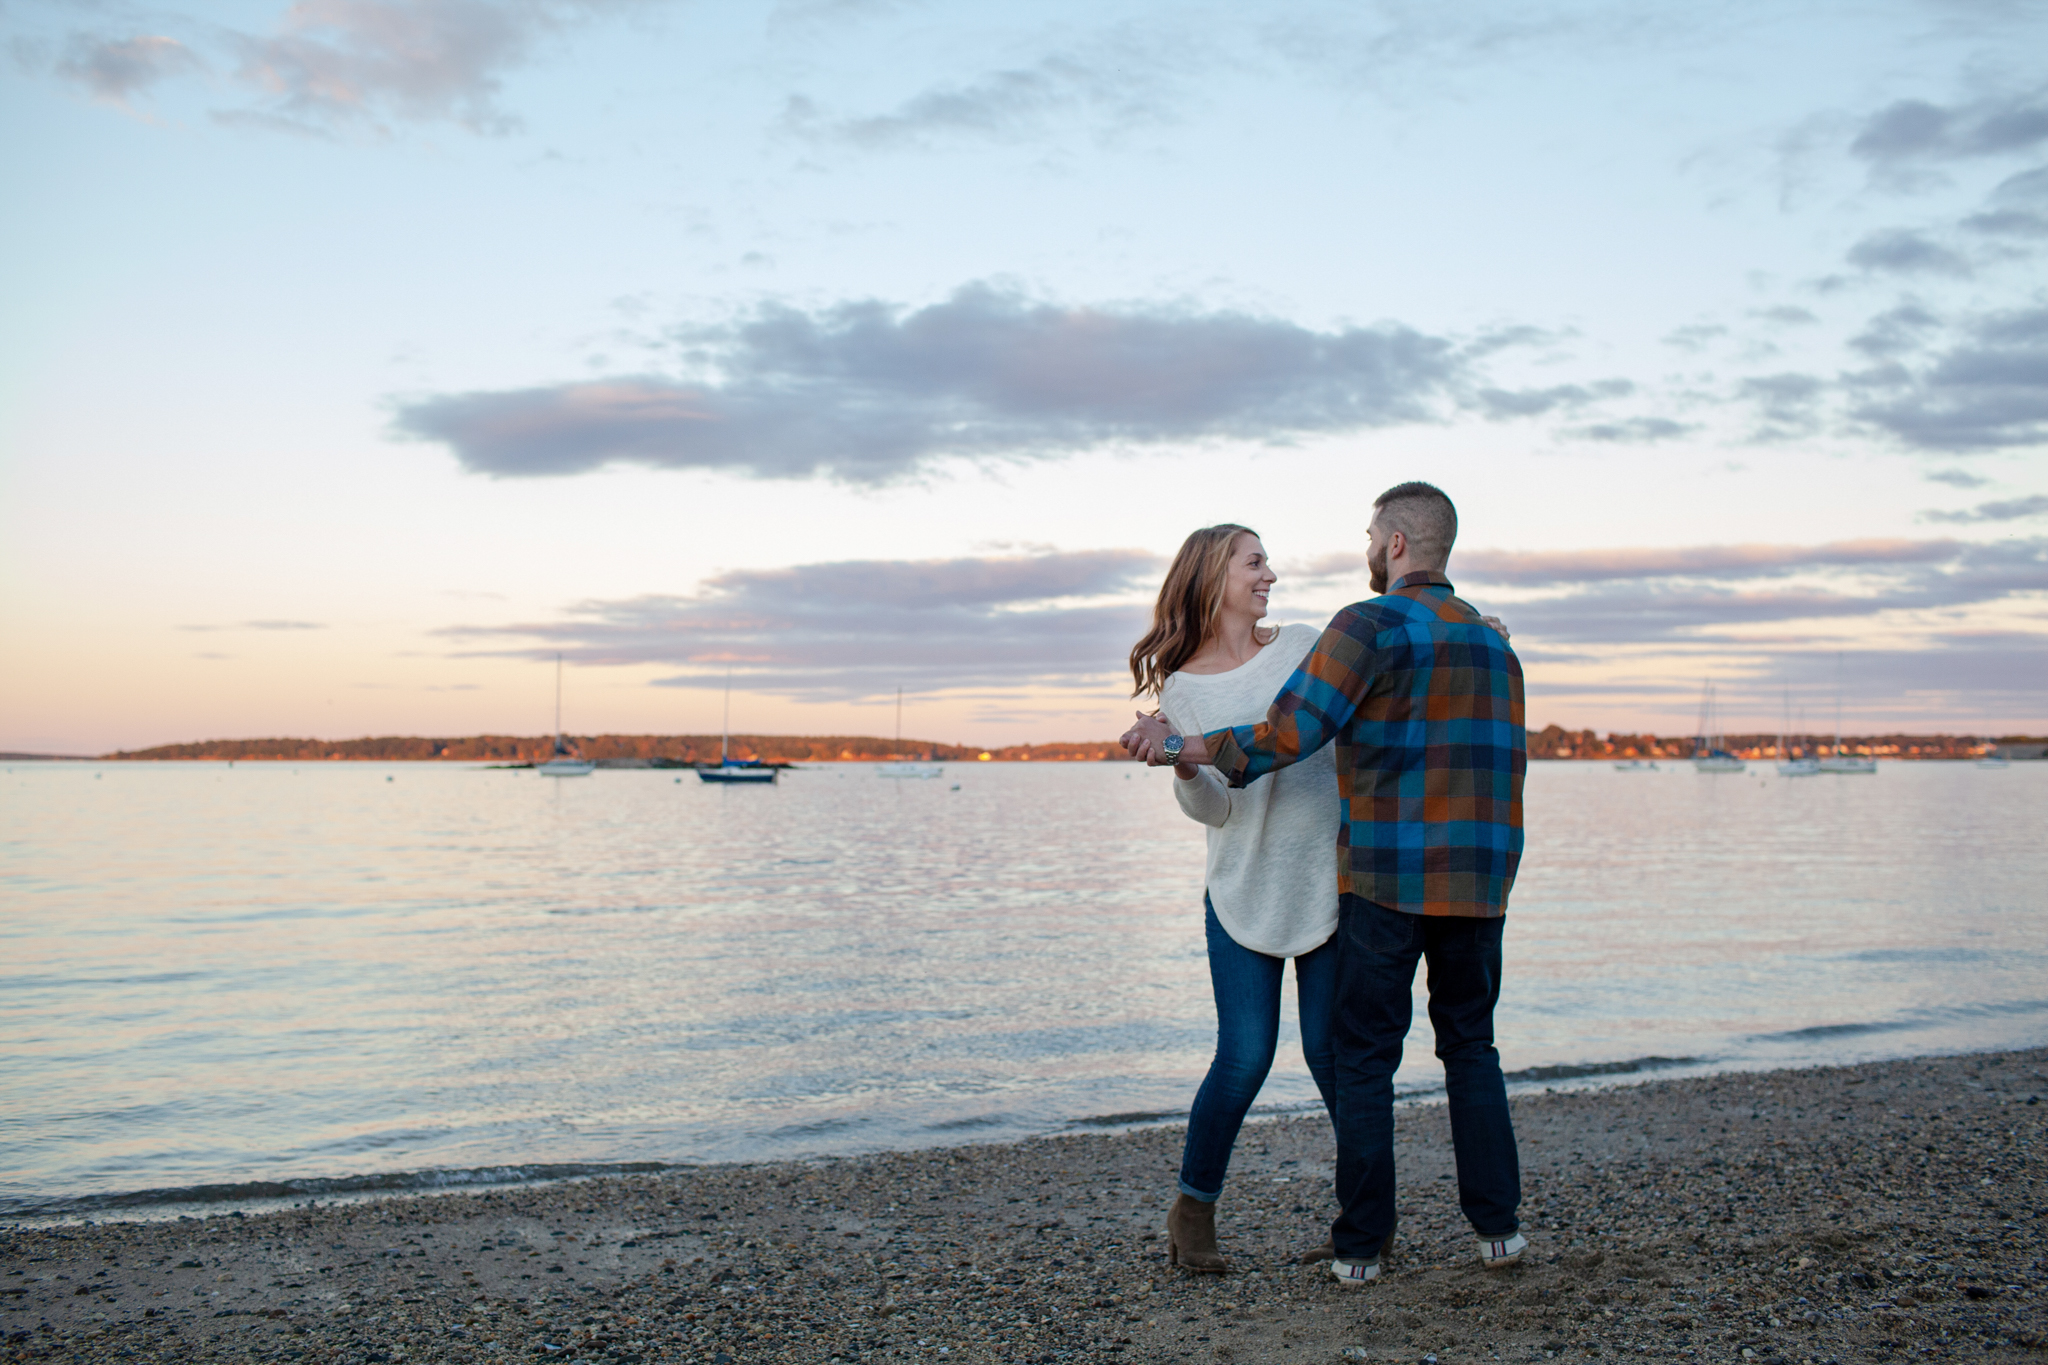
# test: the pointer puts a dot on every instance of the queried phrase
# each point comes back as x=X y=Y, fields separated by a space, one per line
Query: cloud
x=1695 y=336
x=2024 y=187
x=1788 y=401
x=1895 y=330
x=859 y=629
x=2007 y=509
x=1001 y=105
x=1904 y=138
x=2008 y=223
x=868 y=393
x=1644 y=596
x=1946 y=682
x=1502 y=404
x=1788 y=316
x=1898 y=251
x=864 y=627
x=340 y=63
x=1988 y=390
x=1549 y=569
x=262 y=625
x=1633 y=430
x=1956 y=478
x=115 y=69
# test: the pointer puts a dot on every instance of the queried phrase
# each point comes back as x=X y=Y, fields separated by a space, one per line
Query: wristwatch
x=1171 y=747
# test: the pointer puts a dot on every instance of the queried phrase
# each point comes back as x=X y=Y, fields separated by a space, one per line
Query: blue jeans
x=1247 y=986
x=1377 y=949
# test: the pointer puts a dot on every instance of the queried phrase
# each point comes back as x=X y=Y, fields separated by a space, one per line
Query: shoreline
x=1886 y=1210
x=256 y=1194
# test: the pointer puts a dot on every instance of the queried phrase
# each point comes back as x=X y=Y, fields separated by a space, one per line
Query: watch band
x=1171 y=747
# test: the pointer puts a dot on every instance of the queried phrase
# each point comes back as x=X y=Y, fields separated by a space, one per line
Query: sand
x=1888 y=1211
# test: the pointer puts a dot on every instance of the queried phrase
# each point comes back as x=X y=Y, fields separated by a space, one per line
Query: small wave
x=1795 y=1035
x=1575 y=1071
x=395 y=1182
x=969 y=1124
x=1919 y=1019
x=1122 y=1120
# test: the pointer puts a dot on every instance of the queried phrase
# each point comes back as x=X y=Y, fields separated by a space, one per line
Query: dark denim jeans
x=1377 y=949
x=1247 y=986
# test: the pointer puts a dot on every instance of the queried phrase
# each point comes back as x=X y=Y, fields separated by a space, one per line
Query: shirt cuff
x=1225 y=755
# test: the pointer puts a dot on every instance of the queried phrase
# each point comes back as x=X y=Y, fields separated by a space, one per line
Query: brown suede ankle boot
x=1191 y=1237
x=1326 y=1252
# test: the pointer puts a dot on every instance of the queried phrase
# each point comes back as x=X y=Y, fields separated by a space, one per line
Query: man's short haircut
x=1422 y=513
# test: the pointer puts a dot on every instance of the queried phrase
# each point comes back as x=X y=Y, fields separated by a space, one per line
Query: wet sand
x=1891 y=1211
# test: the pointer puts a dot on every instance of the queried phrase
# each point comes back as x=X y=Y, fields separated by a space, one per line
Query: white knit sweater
x=1273 y=844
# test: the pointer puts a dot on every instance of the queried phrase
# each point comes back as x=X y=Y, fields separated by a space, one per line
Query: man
x=1424 y=703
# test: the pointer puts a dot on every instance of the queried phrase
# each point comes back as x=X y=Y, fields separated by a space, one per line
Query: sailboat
x=1837 y=761
x=1709 y=755
x=566 y=762
x=1806 y=765
x=732 y=769
x=899 y=766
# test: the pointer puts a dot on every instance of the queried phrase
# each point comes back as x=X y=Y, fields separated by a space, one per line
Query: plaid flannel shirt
x=1424 y=702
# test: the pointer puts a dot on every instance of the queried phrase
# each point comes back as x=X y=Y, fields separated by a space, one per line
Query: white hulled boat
x=566 y=762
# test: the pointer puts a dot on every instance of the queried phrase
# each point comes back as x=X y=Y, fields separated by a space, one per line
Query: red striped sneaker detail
x=1495 y=1252
x=1355 y=1272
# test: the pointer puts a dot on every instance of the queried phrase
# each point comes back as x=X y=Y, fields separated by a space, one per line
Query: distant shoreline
x=619 y=750
x=683 y=751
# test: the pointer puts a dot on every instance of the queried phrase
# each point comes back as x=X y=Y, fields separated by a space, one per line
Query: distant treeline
x=674 y=748
x=1554 y=741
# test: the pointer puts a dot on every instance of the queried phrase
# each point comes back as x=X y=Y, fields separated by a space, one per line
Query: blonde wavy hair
x=1190 y=600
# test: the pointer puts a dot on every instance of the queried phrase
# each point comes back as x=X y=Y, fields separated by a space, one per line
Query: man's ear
x=1397 y=545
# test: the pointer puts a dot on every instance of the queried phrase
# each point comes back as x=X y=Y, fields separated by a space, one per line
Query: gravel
x=1890 y=1211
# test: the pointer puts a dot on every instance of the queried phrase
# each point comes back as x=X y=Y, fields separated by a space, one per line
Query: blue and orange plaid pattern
x=1424 y=703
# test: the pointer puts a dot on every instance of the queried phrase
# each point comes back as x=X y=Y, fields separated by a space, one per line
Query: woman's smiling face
x=1250 y=578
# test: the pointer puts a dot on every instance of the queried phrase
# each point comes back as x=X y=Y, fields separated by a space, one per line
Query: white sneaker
x=1358 y=1272
x=1355 y=1272
x=1495 y=1252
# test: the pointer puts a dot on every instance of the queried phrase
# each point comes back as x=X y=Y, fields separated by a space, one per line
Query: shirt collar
x=1421 y=578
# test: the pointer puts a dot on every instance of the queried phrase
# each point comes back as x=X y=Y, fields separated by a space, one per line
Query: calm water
x=213 y=975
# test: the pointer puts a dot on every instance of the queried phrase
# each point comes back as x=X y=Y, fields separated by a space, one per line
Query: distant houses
x=1554 y=741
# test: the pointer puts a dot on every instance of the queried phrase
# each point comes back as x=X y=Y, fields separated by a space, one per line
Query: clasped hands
x=1146 y=739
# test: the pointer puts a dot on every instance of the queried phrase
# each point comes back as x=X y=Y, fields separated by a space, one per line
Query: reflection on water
x=219 y=975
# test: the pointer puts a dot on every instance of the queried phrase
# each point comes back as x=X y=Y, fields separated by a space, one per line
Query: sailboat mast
x=725 y=725
x=558 y=700
x=1838 y=702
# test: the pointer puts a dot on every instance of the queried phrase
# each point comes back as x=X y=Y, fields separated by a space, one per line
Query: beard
x=1377 y=565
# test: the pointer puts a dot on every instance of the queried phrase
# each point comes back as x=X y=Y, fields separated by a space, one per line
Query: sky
x=358 y=357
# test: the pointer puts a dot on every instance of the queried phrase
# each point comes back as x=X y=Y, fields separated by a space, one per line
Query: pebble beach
x=1887 y=1211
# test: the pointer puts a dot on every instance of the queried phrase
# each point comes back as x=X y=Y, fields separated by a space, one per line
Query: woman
x=1272 y=870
